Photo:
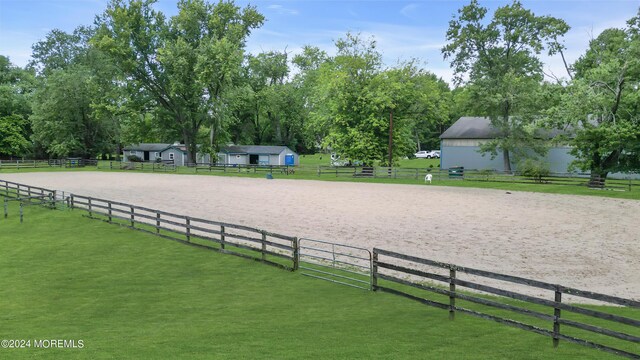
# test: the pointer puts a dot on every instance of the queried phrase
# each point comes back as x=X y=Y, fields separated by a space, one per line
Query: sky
x=402 y=29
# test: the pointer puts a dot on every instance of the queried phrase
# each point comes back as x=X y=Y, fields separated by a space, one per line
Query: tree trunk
x=506 y=160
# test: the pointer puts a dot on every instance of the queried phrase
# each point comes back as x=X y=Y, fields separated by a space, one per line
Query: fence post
x=222 y=237
x=21 y=212
x=556 y=316
x=264 y=245
x=296 y=253
x=90 y=214
x=73 y=205
x=109 y=203
x=157 y=223
x=374 y=271
x=452 y=293
x=188 y=229
x=133 y=217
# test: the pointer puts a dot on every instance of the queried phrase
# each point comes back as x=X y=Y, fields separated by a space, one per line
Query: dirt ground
x=590 y=243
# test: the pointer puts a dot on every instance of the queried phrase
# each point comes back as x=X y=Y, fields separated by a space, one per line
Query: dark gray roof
x=254 y=149
x=146 y=147
x=470 y=127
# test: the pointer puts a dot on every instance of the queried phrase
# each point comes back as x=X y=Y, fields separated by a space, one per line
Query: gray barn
x=257 y=155
x=460 y=146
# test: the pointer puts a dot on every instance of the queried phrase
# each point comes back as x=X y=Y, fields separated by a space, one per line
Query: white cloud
x=283 y=10
x=409 y=10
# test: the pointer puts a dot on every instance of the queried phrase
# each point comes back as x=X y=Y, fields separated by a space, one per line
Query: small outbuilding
x=258 y=155
x=175 y=153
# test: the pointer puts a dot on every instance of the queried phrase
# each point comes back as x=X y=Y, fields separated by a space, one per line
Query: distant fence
x=379 y=270
x=32 y=164
x=284 y=169
x=141 y=166
x=580 y=179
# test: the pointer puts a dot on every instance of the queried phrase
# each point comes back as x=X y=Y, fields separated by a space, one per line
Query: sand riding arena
x=587 y=242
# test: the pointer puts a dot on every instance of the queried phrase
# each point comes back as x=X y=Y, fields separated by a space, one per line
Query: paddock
x=585 y=242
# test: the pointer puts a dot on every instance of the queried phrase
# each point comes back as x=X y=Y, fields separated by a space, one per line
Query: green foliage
x=535 y=169
x=354 y=99
x=500 y=60
x=601 y=105
x=183 y=64
x=134 y=158
x=16 y=89
x=12 y=140
x=64 y=121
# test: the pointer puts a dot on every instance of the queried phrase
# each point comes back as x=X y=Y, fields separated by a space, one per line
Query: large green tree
x=16 y=89
x=500 y=59
x=184 y=63
x=357 y=103
x=601 y=105
x=78 y=102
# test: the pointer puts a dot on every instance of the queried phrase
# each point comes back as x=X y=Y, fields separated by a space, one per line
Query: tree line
x=136 y=75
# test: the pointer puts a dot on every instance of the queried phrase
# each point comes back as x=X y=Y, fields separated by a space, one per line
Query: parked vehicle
x=428 y=154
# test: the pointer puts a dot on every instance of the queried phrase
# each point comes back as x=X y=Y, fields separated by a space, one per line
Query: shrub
x=535 y=169
x=134 y=158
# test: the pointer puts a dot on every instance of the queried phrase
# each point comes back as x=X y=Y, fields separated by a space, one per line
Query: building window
x=170 y=156
x=157 y=155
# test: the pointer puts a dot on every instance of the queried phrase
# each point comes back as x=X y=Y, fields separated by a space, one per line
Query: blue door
x=289 y=160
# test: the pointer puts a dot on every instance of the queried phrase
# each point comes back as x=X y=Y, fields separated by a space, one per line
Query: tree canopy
x=500 y=60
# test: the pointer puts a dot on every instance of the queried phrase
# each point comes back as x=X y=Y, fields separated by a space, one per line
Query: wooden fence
x=14 y=190
x=575 y=179
x=33 y=164
x=229 y=238
x=284 y=169
x=409 y=271
x=141 y=166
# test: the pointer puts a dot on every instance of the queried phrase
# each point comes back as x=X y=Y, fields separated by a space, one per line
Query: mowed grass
x=128 y=294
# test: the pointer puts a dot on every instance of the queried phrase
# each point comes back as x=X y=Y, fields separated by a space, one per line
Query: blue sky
x=403 y=29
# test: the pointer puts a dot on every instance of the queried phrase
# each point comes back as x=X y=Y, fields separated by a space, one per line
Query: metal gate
x=342 y=264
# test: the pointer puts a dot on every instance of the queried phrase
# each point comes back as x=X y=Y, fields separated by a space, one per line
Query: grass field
x=128 y=294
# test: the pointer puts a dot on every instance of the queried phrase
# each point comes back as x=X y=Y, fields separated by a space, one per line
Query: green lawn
x=128 y=294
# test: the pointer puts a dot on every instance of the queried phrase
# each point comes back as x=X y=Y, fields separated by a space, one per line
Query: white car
x=428 y=154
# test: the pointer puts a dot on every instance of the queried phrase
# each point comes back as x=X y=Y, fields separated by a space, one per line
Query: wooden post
x=264 y=245
x=222 y=237
x=109 y=211
x=556 y=316
x=188 y=229
x=452 y=293
x=90 y=214
x=21 y=212
x=296 y=253
x=157 y=223
x=133 y=217
x=374 y=271
x=72 y=202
